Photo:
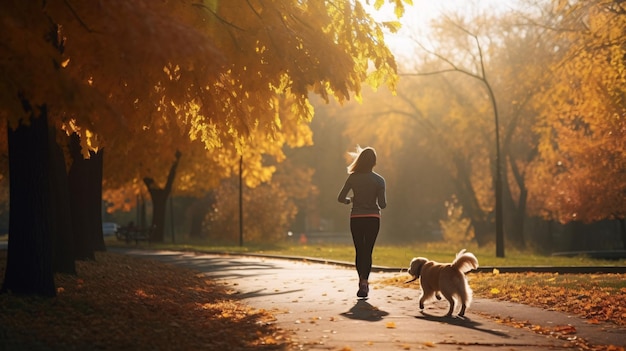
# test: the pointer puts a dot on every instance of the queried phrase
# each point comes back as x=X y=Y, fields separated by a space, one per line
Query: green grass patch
x=396 y=255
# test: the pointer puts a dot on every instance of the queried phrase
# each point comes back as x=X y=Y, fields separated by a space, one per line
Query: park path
x=317 y=303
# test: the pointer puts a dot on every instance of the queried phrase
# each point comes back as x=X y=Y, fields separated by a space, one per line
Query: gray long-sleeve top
x=369 y=194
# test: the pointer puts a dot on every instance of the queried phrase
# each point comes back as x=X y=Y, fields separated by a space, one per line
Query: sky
x=415 y=22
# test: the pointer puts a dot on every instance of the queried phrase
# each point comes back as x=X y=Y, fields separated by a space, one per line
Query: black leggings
x=364 y=232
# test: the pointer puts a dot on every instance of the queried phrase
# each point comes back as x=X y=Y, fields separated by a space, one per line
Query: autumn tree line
x=563 y=186
x=117 y=100
x=556 y=70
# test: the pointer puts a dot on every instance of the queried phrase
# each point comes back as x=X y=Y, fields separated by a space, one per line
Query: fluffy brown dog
x=449 y=279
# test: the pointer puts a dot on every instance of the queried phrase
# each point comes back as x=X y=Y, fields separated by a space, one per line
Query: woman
x=368 y=190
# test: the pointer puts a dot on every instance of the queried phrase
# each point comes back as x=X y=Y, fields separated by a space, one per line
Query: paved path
x=317 y=303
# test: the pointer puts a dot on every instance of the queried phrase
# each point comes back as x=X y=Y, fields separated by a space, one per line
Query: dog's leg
x=462 y=312
x=451 y=301
x=426 y=294
x=466 y=297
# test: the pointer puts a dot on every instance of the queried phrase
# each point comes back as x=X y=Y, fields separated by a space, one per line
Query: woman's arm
x=343 y=194
x=382 y=197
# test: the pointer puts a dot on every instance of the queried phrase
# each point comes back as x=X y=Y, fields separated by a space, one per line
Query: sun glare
x=417 y=19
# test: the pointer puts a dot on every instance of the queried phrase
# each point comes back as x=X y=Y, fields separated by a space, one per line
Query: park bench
x=129 y=234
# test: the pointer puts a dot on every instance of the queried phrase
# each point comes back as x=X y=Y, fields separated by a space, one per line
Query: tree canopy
x=110 y=70
x=145 y=79
x=581 y=172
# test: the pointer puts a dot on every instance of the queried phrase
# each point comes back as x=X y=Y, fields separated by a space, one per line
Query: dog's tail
x=465 y=261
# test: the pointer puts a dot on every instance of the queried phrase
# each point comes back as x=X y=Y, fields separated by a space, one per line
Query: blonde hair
x=364 y=160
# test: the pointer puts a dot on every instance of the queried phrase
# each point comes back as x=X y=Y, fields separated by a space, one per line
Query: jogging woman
x=368 y=198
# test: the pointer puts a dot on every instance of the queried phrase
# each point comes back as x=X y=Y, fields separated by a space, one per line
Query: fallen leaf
x=160 y=303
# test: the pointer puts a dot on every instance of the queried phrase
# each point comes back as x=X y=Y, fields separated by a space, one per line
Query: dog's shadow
x=464 y=322
x=362 y=310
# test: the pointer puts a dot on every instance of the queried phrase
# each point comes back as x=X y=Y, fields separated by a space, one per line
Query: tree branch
x=218 y=16
x=75 y=14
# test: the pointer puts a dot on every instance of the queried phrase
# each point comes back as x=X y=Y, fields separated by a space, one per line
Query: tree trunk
x=159 y=206
x=159 y=201
x=63 y=245
x=29 y=257
x=85 y=177
x=95 y=168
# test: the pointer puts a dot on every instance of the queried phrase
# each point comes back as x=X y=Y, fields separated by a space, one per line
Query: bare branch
x=454 y=67
x=432 y=73
x=218 y=16
x=75 y=14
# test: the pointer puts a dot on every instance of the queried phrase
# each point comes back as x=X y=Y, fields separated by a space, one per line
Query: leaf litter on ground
x=119 y=302
x=597 y=298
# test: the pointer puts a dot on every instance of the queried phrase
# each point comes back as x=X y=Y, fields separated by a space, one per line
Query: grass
x=400 y=256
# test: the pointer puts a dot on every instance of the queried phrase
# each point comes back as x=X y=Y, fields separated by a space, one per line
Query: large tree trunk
x=63 y=244
x=159 y=201
x=159 y=206
x=95 y=167
x=29 y=257
x=85 y=177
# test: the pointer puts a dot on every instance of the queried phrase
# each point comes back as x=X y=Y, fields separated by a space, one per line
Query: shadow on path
x=228 y=268
x=260 y=293
x=464 y=322
x=364 y=311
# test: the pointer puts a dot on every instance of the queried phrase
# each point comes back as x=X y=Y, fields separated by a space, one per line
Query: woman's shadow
x=362 y=310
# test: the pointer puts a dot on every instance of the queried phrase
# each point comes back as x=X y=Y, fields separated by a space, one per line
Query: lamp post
x=498 y=193
x=241 y=200
x=498 y=175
